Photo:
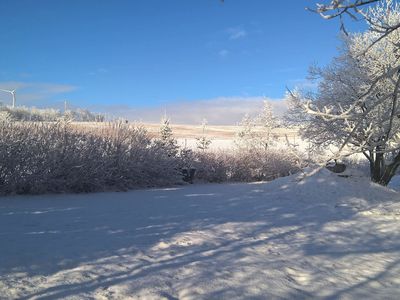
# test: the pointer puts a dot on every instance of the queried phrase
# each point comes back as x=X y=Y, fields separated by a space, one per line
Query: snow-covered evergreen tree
x=203 y=142
x=167 y=140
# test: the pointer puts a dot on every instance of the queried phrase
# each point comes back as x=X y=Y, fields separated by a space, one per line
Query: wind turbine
x=12 y=92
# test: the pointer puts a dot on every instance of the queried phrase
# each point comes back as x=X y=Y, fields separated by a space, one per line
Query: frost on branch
x=257 y=133
x=356 y=105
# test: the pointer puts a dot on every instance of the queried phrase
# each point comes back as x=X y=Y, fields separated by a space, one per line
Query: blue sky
x=130 y=55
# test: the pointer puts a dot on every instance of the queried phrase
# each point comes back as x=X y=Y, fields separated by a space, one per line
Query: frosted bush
x=53 y=157
x=212 y=166
x=37 y=157
x=244 y=165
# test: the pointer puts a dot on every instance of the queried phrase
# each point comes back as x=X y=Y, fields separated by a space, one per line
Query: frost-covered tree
x=356 y=106
x=257 y=132
x=268 y=122
x=203 y=142
x=167 y=140
x=246 y=133
x=165 y=130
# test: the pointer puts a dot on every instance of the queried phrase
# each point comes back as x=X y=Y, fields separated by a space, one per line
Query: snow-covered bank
x=324 y=236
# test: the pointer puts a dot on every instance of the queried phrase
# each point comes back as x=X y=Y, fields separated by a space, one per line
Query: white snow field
x=322 y=237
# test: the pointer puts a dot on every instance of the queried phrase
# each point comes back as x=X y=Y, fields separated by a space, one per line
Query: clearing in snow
x=323 y=236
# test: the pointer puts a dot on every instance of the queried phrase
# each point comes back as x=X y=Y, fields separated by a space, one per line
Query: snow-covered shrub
x=211 y=166
x=244 y=166
x=42 y=157
x=54 y=157
x=262 y=165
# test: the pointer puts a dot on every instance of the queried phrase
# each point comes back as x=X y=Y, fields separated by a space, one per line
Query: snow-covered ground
x=321 y=237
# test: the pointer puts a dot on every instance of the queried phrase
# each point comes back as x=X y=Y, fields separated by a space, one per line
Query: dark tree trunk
x=381 y=172
x=377 y=166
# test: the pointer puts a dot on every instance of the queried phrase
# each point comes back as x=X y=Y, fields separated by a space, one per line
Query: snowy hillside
x=323 y=236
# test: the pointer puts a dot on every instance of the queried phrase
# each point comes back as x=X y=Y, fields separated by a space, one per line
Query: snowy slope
x=323 y=236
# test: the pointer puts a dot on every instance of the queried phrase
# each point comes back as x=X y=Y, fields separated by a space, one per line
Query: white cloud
x=218 y=111
x=236 y=33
